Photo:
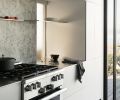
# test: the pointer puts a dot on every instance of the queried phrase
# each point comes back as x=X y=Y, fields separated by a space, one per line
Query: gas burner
x=23 y=71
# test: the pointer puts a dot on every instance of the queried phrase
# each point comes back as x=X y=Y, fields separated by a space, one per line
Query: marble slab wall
x=18 y=39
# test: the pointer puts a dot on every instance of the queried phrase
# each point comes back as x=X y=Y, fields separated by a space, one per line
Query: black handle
x=3 y=56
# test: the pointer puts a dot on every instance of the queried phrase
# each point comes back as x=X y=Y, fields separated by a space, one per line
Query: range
x=38 y=82
x=22 y=71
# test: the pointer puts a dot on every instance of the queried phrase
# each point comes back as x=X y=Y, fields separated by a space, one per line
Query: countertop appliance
x=38 y=82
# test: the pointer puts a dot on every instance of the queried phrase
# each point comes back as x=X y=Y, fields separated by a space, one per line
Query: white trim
x=54 y=94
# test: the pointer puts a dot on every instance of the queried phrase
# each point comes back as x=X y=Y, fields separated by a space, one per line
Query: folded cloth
x=80 y=68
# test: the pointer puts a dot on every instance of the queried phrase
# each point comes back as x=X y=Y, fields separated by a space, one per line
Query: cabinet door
x=11 y=91
x=70 y=82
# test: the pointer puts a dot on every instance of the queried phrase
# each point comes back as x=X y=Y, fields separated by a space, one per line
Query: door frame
x=105 y=53
x=105 y=81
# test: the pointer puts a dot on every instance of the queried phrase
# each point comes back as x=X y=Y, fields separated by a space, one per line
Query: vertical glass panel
x=110 y=49
x=118 y=50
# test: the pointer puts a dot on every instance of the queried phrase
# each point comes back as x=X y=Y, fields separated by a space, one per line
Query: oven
x=55 y=94
x=48 y=86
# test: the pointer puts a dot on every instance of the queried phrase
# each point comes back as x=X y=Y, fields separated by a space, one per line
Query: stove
x=23 y=71
x=44 y=87
x=37 y=82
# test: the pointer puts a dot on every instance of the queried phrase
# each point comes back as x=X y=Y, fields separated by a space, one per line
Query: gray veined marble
x=18 y=39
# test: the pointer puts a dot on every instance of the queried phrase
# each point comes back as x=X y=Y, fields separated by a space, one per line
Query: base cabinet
x=11 y=91
x=71 y=83
x=91 y=86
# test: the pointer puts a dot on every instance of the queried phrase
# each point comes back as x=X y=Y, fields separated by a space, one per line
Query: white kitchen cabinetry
x=70 y=82
x=75 y=89
x=11 y=91
x=91 y=86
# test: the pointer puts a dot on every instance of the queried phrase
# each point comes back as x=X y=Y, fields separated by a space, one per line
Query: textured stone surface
x=18 y=39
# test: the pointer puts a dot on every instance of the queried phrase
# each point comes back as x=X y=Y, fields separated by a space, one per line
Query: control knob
x=38 y=84
x=33 y=85
x=61 y=76
x=58 y=77
x=54 y=78
x=50 y=87
x=28 y=88
x=41 y=90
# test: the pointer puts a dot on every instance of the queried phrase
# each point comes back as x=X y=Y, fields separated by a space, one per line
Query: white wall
x=94 y=52
x=66 y=39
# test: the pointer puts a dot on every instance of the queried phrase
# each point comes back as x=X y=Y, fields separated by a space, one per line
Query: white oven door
x=55 y=95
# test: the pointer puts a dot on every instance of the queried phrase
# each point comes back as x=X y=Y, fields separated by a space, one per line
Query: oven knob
x=33 y=85
x=38 y=84
x=61 y=76
x=54 y=78
x=41 y=90
x=58 y=77
x=28 y=88
x=50 y=87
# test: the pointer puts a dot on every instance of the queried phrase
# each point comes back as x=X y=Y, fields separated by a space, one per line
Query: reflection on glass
x=110 y=49
x=118 y=51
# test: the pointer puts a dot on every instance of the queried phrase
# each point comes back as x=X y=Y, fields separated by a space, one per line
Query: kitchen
x=18 y=40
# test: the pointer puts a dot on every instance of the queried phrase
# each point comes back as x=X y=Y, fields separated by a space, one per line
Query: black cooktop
x=23 y=71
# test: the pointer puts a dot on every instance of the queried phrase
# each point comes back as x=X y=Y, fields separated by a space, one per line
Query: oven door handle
x=54 y=94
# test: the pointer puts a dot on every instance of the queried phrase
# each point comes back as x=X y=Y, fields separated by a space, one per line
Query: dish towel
x=80 y=68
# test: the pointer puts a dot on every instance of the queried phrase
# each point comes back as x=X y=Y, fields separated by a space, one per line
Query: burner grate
x=22 y=71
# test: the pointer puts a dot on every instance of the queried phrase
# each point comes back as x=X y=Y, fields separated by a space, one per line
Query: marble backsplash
x=18 y=39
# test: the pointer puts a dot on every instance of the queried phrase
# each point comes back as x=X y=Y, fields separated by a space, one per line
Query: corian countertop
x=59 y=64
